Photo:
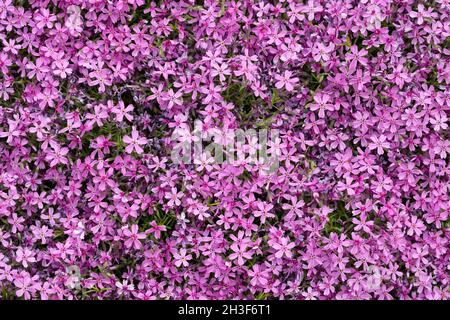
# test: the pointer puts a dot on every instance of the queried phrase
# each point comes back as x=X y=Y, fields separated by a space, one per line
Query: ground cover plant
x=93 y=204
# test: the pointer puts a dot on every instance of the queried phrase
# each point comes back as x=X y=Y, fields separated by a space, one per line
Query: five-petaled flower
x=134 y=142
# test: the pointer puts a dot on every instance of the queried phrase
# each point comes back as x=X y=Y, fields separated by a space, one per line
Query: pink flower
x=283 y=248
x=174 y=197
x=259 y=276
x=121 y=111
x=133 y=237
x=25 y=256
x=25 y=285
x=240 y=254
x=439 y=121
x=181 y=258
x=421 y=13
x=134 y=142
x=286 y=81
x=415 y=226
x=57 y=156
x=379 y=143
x=322 y=52
x=321 y=104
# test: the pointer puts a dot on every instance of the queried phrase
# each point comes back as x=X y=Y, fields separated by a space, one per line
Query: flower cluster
x=92 y=206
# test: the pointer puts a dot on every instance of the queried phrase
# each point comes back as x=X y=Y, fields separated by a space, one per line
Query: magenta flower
x=286 y=81
x=322 y=52
x=57 y=156
x=133 y=237
x=181 y=258
x=26 y=287
x=25 y=256
x=123 y=112
x=321 y=104
x=134 y=142
x=379 y=143
x=283 y=248
x=174 y=197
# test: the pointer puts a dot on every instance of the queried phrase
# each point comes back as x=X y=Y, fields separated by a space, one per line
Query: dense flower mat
x=93 y=205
